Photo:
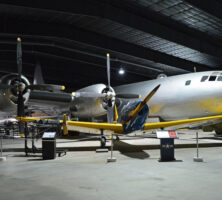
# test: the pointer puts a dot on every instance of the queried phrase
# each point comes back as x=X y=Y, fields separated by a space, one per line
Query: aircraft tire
x=103 y=141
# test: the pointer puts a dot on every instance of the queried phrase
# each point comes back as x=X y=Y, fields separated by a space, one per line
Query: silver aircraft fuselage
x=182 y=96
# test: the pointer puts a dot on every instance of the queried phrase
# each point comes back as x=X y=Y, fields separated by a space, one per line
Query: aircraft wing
x=190 y=123
x=118 y=128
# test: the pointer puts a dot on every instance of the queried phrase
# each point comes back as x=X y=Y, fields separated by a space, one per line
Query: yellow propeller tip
x=107 y=54
x=140 y=96
x=63 y=87
x=73 y=94
x=19 y=39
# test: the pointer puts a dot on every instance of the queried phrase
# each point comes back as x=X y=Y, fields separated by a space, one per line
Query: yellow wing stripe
x=158 y=125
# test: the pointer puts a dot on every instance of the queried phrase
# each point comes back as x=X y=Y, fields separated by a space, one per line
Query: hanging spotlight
x=121 y=71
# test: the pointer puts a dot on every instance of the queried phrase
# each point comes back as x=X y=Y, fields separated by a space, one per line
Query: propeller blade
x=19 y=57
x=47 y=87
x=128 y=96
x=88 y=94
x=116 y=114
x=108 y=69
x=103 y=95
x=5 y=86
x=20 y=105
x=64 y=125
x=109 y=114
x=148 y=97
x=142 y=104
x=38 y=78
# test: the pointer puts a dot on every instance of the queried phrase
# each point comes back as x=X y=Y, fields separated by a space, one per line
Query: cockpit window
x=188 y=82
x=204 y=78
x=219 y=78
x=212 y=78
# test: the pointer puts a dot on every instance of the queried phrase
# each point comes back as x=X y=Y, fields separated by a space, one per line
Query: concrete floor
x=138 y=175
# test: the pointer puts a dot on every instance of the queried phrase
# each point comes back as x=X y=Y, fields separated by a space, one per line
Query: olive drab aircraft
x=188 y=100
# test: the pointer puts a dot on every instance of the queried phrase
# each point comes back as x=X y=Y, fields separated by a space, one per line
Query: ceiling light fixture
x=121 y=71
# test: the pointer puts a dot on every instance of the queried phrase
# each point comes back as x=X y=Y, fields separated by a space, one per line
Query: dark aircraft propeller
x=19 y=88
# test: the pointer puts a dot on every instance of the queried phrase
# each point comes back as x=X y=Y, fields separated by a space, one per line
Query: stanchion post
x=1 y=145
x=1 y=156
x=111 y=159
x=197 y=159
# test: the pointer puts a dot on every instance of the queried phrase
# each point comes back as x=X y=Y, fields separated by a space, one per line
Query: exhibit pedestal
x=111 y=159
x=197 y=159
x=166 y=145
x=102 y=150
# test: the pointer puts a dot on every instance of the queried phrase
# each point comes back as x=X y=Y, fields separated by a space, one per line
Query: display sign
x=49 y=135
x=166 y=134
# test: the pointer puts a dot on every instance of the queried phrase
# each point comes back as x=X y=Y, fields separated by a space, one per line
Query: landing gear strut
x=102 y=144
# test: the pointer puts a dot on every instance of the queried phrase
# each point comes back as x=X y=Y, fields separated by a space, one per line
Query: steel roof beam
x=63 y=52
x=104 y=10
x=52 y=32
x=210 y=6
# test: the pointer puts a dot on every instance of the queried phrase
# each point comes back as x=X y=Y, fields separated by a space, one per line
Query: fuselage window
x=219 y=78
x=204 y=78
x=212 y=78
x=188 y=82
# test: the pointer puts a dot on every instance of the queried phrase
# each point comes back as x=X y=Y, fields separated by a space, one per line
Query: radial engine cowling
x=87 y=108
x=8 y=97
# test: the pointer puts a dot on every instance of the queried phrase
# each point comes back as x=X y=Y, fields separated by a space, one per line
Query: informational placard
x=49 y=135
x=166 y=134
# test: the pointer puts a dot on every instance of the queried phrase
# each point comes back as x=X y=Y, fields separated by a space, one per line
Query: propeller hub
x=16 y=87
x=109 y=99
